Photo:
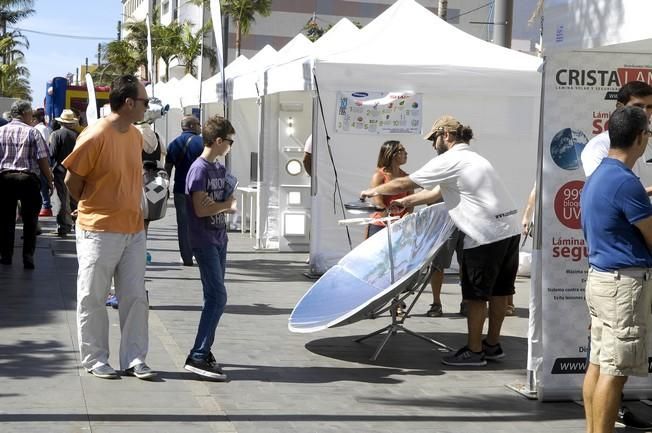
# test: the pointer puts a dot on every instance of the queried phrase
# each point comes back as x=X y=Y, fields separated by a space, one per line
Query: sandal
x=400 y=309
x=435 y=311
x=509 y=310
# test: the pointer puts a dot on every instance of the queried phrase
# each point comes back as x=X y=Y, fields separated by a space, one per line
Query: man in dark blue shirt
x=182 y=152
x=617 y=223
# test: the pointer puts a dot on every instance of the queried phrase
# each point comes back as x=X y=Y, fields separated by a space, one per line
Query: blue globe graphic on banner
x=566 y=148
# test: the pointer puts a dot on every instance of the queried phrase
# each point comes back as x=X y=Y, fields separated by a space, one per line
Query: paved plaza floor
x=279 y=381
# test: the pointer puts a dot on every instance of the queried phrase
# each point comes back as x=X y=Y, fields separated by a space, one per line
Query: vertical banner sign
x=91 y=108
x=378 y=112
x=150 y=57
x=580 y=94
x=216 y=18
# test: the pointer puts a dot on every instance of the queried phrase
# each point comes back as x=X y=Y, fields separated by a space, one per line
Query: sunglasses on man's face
x=145 y=101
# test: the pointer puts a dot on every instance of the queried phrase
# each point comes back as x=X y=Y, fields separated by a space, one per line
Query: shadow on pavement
x=410 y=353
x=27 y=359
x=266 y=373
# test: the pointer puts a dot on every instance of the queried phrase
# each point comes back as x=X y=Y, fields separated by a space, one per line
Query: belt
x=646 y=273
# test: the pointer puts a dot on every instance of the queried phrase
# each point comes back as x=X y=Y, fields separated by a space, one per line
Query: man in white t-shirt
x=635 y=94
x=481 y=208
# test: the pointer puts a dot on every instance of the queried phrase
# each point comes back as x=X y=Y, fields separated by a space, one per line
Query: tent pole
x=337 y=189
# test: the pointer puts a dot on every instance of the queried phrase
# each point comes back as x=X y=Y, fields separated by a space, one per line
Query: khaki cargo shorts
x=620 y=304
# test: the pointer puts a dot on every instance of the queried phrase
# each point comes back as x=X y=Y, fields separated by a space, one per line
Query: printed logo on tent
x=566 y=148
x=601 y=79
x=567 y=204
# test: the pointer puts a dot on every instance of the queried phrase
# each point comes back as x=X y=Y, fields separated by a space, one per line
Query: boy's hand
x=232 y=205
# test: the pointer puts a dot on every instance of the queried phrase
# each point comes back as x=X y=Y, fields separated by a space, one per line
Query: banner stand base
x=523 y=389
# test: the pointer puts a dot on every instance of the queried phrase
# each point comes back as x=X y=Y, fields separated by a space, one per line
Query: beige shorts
x=620 y=304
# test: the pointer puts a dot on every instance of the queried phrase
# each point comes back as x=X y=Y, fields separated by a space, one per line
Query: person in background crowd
x=632 y=94
x=210 y=197
x=62 y=142
x=38 y=122
x=480 y=206
x=307 y=155
x=181 y=153
x=105 y=177
x=24 y=156
x=616 y=217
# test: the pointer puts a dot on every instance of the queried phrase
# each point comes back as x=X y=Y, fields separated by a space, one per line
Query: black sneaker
x=465 y=358
x=627 y=419
x=492 y=352
x=205 y=367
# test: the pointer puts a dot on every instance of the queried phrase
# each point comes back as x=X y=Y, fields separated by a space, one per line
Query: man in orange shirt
x=105 y=177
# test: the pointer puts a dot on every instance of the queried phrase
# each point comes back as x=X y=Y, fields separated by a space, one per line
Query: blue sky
x=51 y=56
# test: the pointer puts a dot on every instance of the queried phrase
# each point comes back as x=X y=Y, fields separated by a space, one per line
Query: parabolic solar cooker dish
x=360 y=282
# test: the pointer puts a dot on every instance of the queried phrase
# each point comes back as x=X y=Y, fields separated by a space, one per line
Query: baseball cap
x=444 y=123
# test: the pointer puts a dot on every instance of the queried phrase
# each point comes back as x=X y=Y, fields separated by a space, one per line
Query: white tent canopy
x=246 y=83
x=188 y=90
x=493 y=89
x=293 y=71
x=209 y=88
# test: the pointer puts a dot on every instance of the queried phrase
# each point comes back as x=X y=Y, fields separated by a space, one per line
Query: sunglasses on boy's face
x=229 y=140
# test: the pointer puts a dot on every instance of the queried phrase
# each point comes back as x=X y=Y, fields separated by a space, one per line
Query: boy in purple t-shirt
x=209 y=191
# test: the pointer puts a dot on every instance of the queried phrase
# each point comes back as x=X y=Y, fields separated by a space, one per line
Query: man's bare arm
x=648 y=190
x=44 y=166
x=75 y=184
x=392 y=187
x=645 y=226
x=425 y=196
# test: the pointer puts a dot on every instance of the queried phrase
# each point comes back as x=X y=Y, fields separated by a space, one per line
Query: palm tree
x=243 y=13
x=166 y=41
x=119 y=58
x=10 y=44
x=137 y=37
x=14 y=80
x=11 y=12
x=191 y=48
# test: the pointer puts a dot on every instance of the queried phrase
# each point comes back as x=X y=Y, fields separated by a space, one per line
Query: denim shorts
x=620 y=304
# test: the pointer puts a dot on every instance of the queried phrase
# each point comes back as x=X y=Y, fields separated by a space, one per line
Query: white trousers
x=103 y=256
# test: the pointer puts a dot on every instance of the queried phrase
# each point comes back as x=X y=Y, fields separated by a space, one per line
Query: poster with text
x=378 y=112
x=580 y=94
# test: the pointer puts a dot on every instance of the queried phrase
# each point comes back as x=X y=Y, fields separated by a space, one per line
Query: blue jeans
x=212 y=263
x=183 y=233
x=45 y=193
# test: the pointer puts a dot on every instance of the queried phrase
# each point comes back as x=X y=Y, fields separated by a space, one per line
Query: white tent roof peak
x=188 y=79
x=339 y=35
x=263 y=58
x=409 y=34
x=211 y=87
x=298 y=46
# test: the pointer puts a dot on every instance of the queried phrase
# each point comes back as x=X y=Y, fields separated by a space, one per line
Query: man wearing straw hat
x=62 y=142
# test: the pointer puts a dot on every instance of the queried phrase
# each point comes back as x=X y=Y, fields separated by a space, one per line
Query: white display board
x=364 y=112
x=580 y=94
